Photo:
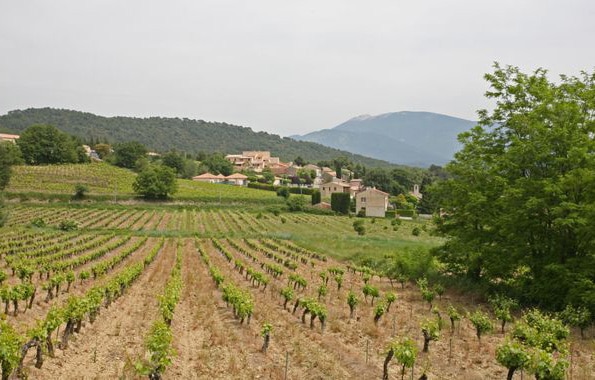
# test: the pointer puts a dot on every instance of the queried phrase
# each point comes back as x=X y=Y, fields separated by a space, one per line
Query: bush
x=283 y=192
x=80 y=190
x=406 y=213
x=359 y=227
x=316 y=197
x=156 y=182
x=38 y=222
x=416 y=231
x=296 y=203
x=340 y=202
x=68 y=225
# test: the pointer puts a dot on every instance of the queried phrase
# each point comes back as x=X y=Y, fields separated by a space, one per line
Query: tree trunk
x=32 y=298
x=510 y=373
x=15 y=303
x=503 y=323
x=39 y=356
x=67 y=331
x=351 y=311
x=312 y=318
x=304 y=316
x=452 y=326
x=285 y=304
x=6 y=303
x=426 y=343
x=78 y=326
x=68 y=288
x=50 y=345
x=24 y=349
x=295 y=306
x=387 y=360
x=265 y=345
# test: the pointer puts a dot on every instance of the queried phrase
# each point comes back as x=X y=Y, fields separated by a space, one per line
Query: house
x=237 y=179
x=10 y=138
x=356 y=186
x=373 y=201
x=209 y=178
x=326 y=189
x=255 y=160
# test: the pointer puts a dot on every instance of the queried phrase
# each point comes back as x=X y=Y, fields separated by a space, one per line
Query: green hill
x=164 y=134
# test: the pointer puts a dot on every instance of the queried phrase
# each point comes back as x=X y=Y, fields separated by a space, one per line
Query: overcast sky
x=287 y=67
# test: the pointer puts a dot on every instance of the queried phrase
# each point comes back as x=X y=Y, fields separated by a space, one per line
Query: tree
x=217 y=164
x=155 y=182
x=126 y=154
x=299 y=161
x=175 y=161
x=340 y=202
x=46 y=144
x=518 y=203
x=10 y=155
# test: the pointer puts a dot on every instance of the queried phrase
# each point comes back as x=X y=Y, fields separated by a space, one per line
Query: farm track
x=108 y=348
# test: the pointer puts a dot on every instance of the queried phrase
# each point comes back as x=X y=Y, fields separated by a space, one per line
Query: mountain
x=164 y=134
x=407 y=138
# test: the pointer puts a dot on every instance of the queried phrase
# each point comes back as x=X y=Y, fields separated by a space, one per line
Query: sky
x=285 y=67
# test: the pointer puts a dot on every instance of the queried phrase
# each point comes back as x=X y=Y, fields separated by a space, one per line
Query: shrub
x=68 y=225
x=316 y=197
x=296 y=203
x=340 y=202
x=283 y=192
x=359 y=227
x=416 y=231
x=80 y=190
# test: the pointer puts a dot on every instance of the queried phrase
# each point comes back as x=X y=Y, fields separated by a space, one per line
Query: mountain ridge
x=183 y=134
x=411 y=138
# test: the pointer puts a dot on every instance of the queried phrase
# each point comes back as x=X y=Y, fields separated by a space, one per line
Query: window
x=363 y=199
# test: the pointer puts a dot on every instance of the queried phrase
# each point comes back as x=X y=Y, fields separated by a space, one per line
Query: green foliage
x=502 y=307
x=217 y=164
x=340 y=202
x=405 y=351
x=577 y=317
x=517 y=207
x=175 y=161
x=158 y=345
x=45 y=144
x=10 y=344
x=68 y=225
x=416 y=231
x=10 y=155
x=156 y=182
x=266 y=329
x=513 y=355
x=126 y=154
x=80 y=190
x=316 y=197
x=297 y=203
x=359 y=227
x=481 y=322
x=431 y=331
x=379 y=311
x=283 y=192
x=352 y=301
x=192 y=136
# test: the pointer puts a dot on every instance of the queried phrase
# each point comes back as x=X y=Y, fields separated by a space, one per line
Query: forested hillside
x=164 y=134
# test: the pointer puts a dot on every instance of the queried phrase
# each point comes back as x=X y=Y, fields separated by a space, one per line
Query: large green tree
x=46 y=144
x=156 y=182
x=520 y=205
x=10 y=154
x=127 y=154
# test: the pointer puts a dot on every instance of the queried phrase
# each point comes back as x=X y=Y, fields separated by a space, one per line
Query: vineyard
x=105 y=181
x=182 y=293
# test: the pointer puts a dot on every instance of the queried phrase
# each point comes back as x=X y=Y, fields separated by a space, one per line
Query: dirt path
x=112 y=344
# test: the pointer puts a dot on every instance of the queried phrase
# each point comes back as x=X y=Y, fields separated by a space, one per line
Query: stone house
x=373 y=201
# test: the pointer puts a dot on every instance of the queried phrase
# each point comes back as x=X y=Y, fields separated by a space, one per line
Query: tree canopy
x=127 y=154
x=520 y=206
x=45 y=144
x=10 y=154
x=156 y=182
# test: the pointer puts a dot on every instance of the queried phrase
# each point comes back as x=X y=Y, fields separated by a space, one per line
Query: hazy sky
x=281 y=66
